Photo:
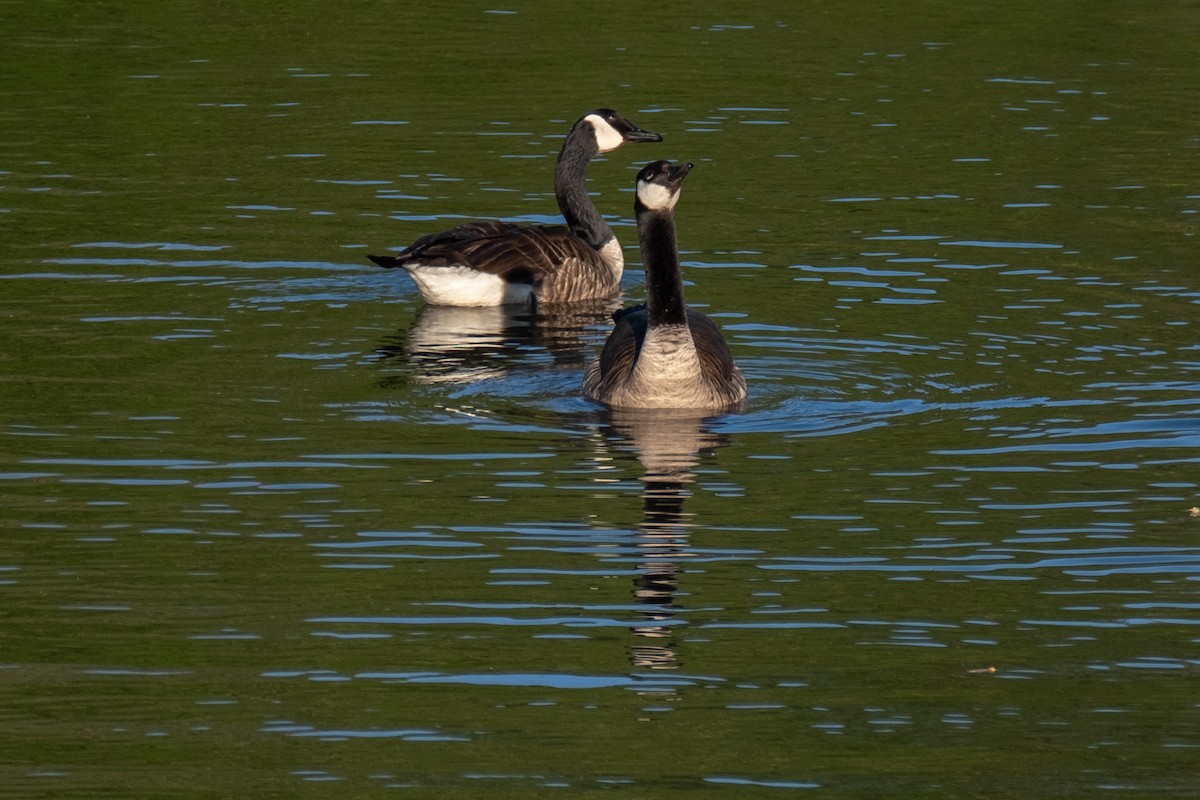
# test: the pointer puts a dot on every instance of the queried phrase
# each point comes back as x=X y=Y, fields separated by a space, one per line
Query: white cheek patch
x=607 y=137
x=657 y=197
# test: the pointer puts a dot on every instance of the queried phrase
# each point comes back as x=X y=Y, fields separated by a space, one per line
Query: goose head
x=612 y=130
x=659 y=183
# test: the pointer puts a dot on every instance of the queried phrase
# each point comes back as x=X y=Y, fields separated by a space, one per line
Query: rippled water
x=274 y=528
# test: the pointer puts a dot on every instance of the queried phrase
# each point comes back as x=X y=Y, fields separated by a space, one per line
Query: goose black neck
x=570 y=187
x=662 y=501
x=664 y=281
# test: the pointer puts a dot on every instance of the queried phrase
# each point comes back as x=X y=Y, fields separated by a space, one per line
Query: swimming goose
x=663 y=354
x=495 y=263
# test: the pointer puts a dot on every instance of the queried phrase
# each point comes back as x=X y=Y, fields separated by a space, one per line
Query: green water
x=271 y=528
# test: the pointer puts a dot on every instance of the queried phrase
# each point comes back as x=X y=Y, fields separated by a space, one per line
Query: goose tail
x=387 y=262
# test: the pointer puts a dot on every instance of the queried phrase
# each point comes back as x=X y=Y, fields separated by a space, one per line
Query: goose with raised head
x=490 y=263
x=663 y=354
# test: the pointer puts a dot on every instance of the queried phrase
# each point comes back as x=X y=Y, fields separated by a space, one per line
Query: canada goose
x=663 y=354
x=491 y=263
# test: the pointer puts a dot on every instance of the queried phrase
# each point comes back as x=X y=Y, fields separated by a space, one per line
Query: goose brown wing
x=624 y=343
x=716 y=360
x=500 y=248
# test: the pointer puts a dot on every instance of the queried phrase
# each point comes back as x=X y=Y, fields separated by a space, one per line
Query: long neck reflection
x=668 y=448
x=662 y=543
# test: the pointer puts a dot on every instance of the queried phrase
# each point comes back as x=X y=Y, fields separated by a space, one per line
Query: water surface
x=273 y=528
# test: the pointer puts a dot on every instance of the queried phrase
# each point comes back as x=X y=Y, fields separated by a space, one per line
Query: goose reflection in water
x=669 y=445
x=448 y=344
